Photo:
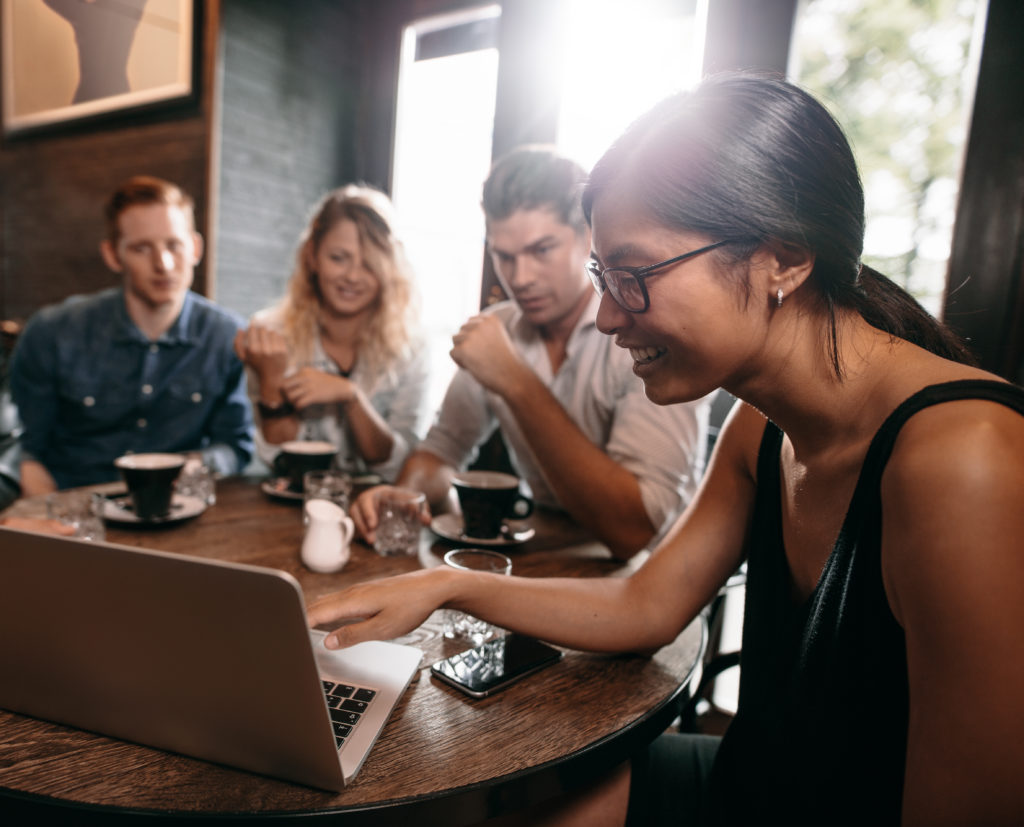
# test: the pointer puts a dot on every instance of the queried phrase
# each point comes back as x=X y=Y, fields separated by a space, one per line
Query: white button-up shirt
x=662 y=446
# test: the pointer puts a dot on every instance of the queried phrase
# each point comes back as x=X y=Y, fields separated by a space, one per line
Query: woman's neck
x=341 y=330
x=339 y=337
x=798 y=389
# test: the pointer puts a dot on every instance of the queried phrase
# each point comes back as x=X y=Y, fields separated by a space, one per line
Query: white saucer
x=119 y=510
x=278 y=488
x=449 y=526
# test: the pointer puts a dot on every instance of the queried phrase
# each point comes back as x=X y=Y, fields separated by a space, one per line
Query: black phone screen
x=495 y=664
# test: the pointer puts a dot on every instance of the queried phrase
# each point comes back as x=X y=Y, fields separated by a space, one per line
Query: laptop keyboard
x=346 y=704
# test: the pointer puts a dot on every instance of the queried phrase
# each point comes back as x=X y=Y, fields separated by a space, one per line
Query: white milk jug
x=325 y=547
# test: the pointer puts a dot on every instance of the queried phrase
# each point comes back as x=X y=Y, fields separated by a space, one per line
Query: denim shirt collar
x=123 y=329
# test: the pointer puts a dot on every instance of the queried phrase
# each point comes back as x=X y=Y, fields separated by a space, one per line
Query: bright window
x=620 y=59
x=899 y=75
x=447 y=82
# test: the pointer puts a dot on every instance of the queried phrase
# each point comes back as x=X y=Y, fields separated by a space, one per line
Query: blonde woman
x=336 y=359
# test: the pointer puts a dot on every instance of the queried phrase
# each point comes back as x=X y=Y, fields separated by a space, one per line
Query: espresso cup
x=150 y=480
x=301 y=455
x=487 y=499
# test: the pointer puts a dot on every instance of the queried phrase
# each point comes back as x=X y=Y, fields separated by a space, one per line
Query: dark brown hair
x=535 y=177
x=756 y=159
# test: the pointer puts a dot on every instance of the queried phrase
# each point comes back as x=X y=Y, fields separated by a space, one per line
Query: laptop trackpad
x=385 y=667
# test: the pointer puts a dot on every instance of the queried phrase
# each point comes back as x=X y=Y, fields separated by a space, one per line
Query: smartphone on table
x=491 y=666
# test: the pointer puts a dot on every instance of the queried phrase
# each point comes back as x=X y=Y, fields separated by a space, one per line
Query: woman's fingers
x=379 y=610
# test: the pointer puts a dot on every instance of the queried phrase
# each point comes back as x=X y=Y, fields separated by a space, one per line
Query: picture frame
x=77 y=62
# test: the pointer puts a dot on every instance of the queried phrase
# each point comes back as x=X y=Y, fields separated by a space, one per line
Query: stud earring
x=778 y=298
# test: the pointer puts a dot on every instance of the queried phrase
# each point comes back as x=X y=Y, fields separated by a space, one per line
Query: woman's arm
x=265 y=352
x=371 y=434
x=638 y=613
x=954 y=572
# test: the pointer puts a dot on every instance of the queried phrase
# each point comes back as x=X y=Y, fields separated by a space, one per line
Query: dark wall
x=288 y=91
x=985 y=285
x=749 y=36
x=273 y=128
x=52 y=186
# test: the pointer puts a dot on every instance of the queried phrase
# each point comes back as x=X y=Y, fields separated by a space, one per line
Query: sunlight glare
x=621 y=59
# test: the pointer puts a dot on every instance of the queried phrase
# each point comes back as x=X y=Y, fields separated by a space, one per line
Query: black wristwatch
x=284 y=408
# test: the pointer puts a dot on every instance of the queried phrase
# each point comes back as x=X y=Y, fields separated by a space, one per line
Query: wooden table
x=442 y=758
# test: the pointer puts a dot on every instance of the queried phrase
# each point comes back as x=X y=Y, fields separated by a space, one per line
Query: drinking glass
x=399 y=512
x=459 y=624
x=327 y=485
x=81 y=510
x=196 y=480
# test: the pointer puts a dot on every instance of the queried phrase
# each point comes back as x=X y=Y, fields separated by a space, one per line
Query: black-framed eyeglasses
x=627 y=285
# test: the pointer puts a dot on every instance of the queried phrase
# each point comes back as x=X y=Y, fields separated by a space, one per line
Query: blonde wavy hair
x=387 y=334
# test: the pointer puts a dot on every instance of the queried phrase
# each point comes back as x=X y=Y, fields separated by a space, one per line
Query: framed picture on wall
x=71 y=61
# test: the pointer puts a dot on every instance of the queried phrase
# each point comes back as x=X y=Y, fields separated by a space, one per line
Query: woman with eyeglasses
x=337 y=359
x=870 y=477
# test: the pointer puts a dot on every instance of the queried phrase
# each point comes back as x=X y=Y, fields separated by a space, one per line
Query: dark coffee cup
x=488 y=498
x=150 y=480
x=301 y=455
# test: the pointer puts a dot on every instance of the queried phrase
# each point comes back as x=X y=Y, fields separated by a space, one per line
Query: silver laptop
x=202 y=657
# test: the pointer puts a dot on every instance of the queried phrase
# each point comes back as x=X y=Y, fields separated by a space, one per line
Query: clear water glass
x=82 y=511
x=333 y=486
x=399 y=521
x=459 y=624
x=196 y=480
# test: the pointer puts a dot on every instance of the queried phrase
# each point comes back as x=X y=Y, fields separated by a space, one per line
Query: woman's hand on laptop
x=381 y=609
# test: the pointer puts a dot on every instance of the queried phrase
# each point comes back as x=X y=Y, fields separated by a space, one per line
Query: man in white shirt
x=579 y=429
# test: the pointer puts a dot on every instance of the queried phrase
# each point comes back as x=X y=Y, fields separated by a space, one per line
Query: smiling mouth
x=646 y=355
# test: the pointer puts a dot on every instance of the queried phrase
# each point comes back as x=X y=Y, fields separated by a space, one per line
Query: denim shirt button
x=141 y=423
x=89 y=401
x=197 y=397
x=147 y=389
x=154 y=348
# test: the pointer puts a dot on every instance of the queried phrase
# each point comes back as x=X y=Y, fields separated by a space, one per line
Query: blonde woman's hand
x=265 y=351
x=310 y=386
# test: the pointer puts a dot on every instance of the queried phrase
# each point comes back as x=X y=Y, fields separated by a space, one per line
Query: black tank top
x=820 y=735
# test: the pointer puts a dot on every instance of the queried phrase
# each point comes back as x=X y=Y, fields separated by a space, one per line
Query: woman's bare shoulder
x=951 y=500
x=949 y=435
x=961 y=438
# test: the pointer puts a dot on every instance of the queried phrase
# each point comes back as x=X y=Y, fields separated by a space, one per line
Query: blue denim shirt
x=90 y=387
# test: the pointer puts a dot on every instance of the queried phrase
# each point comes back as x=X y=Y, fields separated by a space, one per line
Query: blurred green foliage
x=899 y=76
